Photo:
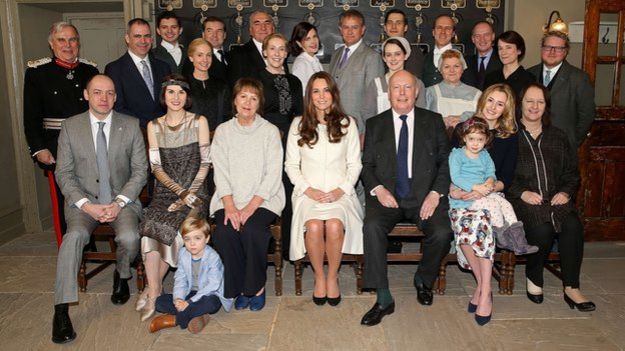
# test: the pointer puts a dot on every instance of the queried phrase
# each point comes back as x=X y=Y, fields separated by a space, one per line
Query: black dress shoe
x=535 y=298
x=587 y=306
x=121 y=292
x=424 y=295
x=376 y=313
x=62 y=329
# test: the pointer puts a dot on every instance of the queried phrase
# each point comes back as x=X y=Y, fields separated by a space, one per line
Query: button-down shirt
x=137 y=60
x=438 y=52
x=174 y=50
x=554 y=71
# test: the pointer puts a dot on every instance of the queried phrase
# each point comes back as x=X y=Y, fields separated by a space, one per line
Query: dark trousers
x=570 y=244
x=287 y=216
x=206 y=305
x=379 y=221
x=244 y=252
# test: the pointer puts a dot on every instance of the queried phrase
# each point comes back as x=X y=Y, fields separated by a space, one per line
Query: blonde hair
x=506 y=123
x=197 y=42
x=192 y=224
x=274 y=36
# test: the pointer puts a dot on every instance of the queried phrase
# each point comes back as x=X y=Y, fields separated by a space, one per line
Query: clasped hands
x=186 y=198
x=533 y=198
x=103 y=213
x=428 y=206
x=180 y=305
x=323 y=197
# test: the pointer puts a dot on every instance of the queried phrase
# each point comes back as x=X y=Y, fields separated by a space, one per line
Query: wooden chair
x=552 y=265
x=356 y=260
x=276 y=256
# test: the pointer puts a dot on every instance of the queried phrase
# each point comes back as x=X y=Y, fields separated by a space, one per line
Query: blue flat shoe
x=242 y=302
x=257 y=302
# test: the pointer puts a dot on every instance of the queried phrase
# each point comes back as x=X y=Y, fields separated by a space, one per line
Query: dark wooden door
x=602 y=156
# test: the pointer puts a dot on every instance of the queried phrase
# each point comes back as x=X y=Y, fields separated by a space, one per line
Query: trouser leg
x=436 y=244
x=126 y=228
x=378 y=222
x=227 y=242
x=255 y=236
x=205 y=305
x=541 y=235
x=571 y=244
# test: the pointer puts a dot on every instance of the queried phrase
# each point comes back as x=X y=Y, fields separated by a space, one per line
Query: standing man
x=53 y=91
x=138 y=75
x=443 y=31
x=214 y=31
x=406 y=178
x=170 y=50
x=354 y=66
x=101 y=170
x=485 y=60
x=572 y=95
x=396 y=25
x=248 y=60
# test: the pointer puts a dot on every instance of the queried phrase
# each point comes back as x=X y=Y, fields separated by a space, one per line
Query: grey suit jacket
x=572 y=101
x=77 y=168
x=354 y=77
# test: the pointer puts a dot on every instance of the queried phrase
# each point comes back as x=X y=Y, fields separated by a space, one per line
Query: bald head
x=100 y=93
x=402 y=92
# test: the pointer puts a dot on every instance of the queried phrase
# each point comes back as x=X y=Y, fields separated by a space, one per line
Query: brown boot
x=198 y=323
x=162 y=322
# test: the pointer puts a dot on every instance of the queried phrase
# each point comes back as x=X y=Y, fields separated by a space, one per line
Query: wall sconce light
x=558 y=25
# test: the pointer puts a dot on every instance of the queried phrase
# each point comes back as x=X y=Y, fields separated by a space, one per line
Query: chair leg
x=510 y=267
x=276 y=232
x=358 y=268
x=82 y=276
x=140 y=276
x=441 y=281
x=298 y=276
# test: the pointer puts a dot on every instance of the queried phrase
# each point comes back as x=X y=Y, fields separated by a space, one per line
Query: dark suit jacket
x=572 y=101
x=161 y=53
x=430 y=169
x=414 y=63
x=431 y=74
x=246 y=61
x=133 y=96
x=218 y=69
x=469 y=76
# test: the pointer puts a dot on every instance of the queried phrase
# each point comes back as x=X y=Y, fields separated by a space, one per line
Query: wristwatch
x=120 y=202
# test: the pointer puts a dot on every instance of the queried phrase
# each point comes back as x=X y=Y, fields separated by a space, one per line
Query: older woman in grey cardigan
x=249 y=195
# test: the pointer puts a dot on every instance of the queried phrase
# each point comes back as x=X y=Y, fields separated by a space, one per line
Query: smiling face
x=533 y=105
x=175 y=98
x=65 y=44
x=352 y=29
x=395 y=25
x=261 y=25
x=474 y=143
x=195 y=242
x=100 y=93
x=554 y=51
x=508 y=52
x=494 y=107
x=394 y=57
x=202 y=58
x=483 y=38
x=321 y=96
x=310 y=43
x=402 y=92
x=139 y=39
x=451 y=69
x=246 y=103
x=214 y=33
x=275 y=53
x=169 y=30
x=443 y=31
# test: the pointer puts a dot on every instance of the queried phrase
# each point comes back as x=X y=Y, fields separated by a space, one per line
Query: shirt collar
x=553 y=70
x=409 y=114
x=443 y=49
x=355 y=46
x=259 y=46
x=168 y=46
x=137 y=60
x=487 y=55
x=94 y=120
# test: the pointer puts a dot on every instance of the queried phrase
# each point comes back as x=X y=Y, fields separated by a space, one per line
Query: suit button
x=97 y=180
x=96 y=196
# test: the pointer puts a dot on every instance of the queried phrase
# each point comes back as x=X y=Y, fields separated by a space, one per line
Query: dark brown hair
x=475 y=124
x=546 y=117
x=180 y=78
x=336 y=118
x=512 y=37
x=300 y=31
x=254 y=86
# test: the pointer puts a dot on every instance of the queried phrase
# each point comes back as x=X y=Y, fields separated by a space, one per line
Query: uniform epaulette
x=88 y=62
x=37 y=63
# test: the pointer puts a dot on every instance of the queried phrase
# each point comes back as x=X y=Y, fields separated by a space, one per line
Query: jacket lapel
x=115 y=139
x=87 y=140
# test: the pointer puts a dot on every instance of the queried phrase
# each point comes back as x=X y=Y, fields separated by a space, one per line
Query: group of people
x=307 y=147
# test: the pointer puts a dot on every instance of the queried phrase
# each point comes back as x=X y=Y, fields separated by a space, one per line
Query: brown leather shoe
x=162 y=322
x=198 y=323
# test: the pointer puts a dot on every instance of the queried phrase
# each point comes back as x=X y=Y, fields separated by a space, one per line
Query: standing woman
x=395 y=52
x=179 y=157
x=511 y=49
x=453 y=99
x=283 y=101
x=323 y=162
x=304 y=45
x=247 y=156
x=211 y=96
x=545 y=182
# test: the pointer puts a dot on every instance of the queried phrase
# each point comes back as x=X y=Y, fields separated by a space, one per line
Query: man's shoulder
x=536 y=69
x=41 y=63
x=73 y=120
x=379 y=118
x=126 y=119
x=422 y=113
x=116 y=64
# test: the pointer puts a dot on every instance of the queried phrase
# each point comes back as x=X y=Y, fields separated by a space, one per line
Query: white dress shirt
x=259 y=47
x=438 y=52
x=174 y=50
x=137 y=60
x=353 y=48
x=553 y=70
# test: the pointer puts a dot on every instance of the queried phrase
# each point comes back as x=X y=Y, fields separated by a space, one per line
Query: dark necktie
x=481 y=72
x=222 y=57
x=103 y=166
x=402 y=186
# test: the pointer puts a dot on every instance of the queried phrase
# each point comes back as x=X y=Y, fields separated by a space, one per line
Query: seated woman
x=454 y=100
x=545 y=182
x=178 y=150
x=211 y=96
x=247 y=157
x=304 y=46
x=323 y=162
x=395 y=52
x=511 y=49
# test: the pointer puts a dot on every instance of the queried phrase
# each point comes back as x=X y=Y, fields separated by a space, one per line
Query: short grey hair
x=58 y=26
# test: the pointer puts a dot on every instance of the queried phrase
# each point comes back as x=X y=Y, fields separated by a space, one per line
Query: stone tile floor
x=293 y=322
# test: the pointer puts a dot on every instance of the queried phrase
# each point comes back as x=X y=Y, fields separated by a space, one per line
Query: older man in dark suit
x=572 y=95
x=138 y=75
x=485 y=60
x=406 y=178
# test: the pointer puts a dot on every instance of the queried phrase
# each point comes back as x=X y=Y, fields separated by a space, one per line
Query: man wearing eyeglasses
x=572 y=95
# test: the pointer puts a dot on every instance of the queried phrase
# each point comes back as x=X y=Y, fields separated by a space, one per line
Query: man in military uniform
x=53 y=91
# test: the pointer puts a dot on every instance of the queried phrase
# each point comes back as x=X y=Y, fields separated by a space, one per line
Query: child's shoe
x=257 y=302
x=198 y=323
x=241 y=302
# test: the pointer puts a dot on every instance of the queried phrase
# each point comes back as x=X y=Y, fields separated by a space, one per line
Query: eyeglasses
x=558 y=49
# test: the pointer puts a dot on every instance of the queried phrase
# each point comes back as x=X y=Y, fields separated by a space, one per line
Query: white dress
x=326 y=166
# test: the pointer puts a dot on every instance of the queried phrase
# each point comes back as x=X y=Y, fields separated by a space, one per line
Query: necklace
x=535 y=132
x=177 y=123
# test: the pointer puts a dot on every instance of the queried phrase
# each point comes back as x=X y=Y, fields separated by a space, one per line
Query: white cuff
x=81 y=202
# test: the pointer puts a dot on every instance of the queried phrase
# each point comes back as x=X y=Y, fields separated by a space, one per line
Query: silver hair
x=58 y=26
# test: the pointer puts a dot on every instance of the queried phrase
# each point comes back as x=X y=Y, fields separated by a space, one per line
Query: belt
x=52 y=123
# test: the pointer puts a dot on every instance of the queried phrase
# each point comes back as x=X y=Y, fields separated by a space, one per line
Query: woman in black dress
x=511 y=49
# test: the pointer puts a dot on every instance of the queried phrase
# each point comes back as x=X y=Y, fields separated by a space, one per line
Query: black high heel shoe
x=333 y=301
x=471 y=308
x=482 y=320
x=319 y=301
x=587 y=306
x=536 y=298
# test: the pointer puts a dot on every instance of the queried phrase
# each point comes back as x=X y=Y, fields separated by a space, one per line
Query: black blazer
x=133 y=96
x=218 y=69
x=430 y=168
x=246 y=61
x=161 y=53
x=469 y=76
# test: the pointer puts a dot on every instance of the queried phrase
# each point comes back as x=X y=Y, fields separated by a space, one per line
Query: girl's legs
x=334 y=246
x=315 y=246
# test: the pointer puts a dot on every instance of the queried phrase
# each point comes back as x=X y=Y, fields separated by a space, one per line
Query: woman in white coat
x=323 y=163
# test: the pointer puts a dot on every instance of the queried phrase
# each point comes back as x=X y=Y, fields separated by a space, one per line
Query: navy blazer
x=430 y=169
x=469 y=76
x=133 y=96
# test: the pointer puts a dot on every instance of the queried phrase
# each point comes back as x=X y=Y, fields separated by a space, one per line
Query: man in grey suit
x=354 y=66
x=101 y=169
x=572 y=95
